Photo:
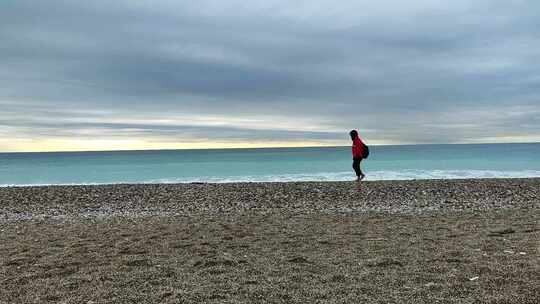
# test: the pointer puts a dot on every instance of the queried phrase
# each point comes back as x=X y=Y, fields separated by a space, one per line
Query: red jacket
x=357 y=148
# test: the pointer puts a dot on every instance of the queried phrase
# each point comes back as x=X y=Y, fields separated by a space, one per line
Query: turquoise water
x=276 y=164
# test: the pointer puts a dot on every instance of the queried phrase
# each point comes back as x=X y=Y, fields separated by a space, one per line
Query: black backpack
x=366 y=151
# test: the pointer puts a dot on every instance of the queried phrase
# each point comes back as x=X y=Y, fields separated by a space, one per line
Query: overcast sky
x=93 y=75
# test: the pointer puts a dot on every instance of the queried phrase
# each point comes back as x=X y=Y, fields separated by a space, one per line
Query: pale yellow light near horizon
x=52 y=145
x=72 y=145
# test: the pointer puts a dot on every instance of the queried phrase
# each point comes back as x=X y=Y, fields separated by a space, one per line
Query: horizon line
x=269 y=147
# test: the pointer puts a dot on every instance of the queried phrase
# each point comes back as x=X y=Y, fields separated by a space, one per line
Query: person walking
x=358 y=148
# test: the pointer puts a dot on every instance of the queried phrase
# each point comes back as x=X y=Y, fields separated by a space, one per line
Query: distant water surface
x=273 y=164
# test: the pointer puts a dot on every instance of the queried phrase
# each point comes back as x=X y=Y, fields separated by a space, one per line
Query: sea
x=396 y=162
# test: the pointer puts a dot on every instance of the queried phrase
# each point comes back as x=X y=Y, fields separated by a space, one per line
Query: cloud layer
x=269 y=71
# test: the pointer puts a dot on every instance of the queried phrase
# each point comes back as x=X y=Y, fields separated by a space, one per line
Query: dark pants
x=356 y=166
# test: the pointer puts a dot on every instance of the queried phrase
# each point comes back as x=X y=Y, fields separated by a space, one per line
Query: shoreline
x=262 y=182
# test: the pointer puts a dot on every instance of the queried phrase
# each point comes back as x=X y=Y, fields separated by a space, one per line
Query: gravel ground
x=401 y=197
x=458 y=241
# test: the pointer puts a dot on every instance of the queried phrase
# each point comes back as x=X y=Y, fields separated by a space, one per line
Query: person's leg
x=362 y=175
x=356 y=167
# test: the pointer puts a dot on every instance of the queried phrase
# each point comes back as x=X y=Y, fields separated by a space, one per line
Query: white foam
x=328 y=176
x=372 y=175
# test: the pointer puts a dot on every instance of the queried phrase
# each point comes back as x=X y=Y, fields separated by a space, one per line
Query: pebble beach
x=424 y=241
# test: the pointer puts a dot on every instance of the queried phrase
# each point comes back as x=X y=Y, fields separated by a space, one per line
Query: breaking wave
x=370 y=175
x=322 y=176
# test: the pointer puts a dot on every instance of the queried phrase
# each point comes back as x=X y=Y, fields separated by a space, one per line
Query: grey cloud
x=165 y=133
x=347 y=68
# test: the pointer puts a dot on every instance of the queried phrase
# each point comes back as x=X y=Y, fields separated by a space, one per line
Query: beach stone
x=147 y=200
